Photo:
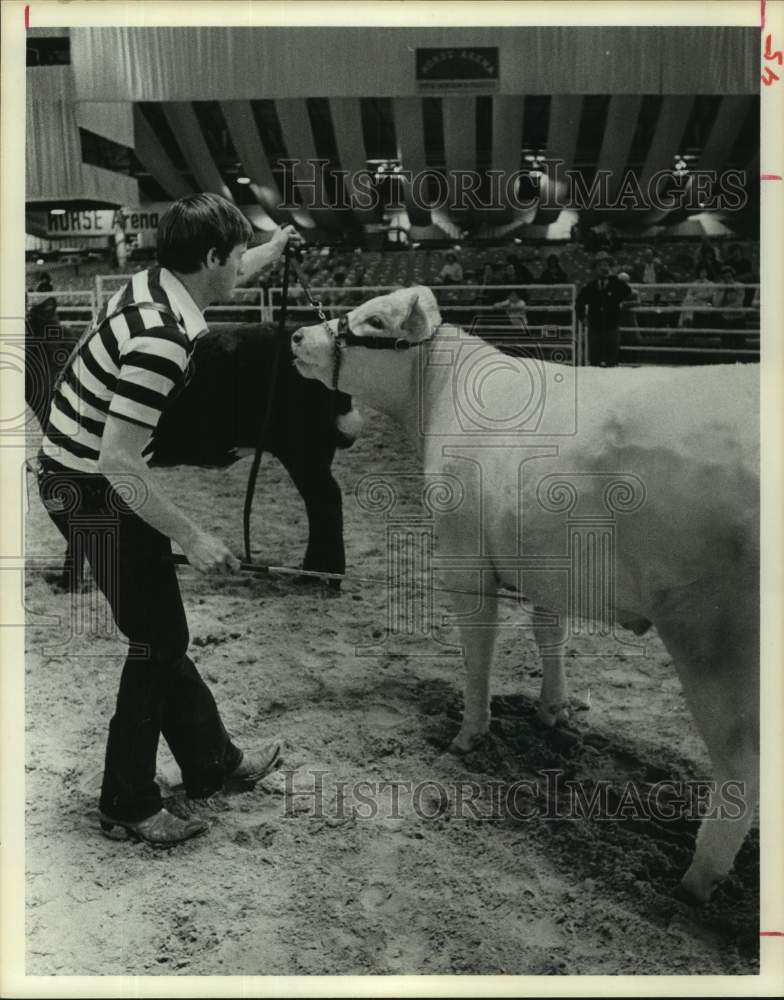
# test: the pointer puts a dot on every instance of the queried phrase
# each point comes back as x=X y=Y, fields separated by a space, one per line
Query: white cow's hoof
x=559 y=713
x=695 y=889
x=465 y=744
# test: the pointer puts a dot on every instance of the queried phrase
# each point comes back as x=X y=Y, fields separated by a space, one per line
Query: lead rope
x=316 y=304
x=288 y=260
x=250 y=489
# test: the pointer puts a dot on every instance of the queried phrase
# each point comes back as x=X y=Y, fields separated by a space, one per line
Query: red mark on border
x=768 y=76
x=771 y=934
x=27 y=15
x=770 y=177
x=762 y=15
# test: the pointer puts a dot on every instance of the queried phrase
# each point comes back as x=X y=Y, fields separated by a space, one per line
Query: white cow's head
x=409 y=314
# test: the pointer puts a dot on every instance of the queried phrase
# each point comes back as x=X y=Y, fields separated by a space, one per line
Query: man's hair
x=193 y=225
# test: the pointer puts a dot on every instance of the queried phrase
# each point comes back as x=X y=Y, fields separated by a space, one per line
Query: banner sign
x=102 y=222
x=461 y=70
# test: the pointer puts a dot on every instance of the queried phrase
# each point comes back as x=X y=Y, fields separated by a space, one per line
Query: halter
x=344 y=337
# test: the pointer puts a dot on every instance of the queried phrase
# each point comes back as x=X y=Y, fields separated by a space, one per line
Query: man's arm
x=257 y=258
x=122 y=464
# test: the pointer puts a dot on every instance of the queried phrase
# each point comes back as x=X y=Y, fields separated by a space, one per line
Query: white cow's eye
x=375 y=322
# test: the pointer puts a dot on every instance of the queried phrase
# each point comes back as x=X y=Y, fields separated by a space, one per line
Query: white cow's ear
x=416 y=323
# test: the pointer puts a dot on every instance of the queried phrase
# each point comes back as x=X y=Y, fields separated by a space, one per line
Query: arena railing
x=247 y=304
x=558 y=340
x=649 y=333
x=666 y=338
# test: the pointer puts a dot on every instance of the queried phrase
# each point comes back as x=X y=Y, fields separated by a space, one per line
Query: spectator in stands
x=650 y=271
x=511 y=273
x=743 y=270
x=45 y=283
x=519 y=273
x=336 y=296
x=467 y=296
x=741 y=266
x=707 y=257
x=95 y=451
x=452 y=271
x=729 y=294
x=553 y=273
x=699 y=294
x=602 y=300
x=43 y=314
x=492 y=274
x=515 y=307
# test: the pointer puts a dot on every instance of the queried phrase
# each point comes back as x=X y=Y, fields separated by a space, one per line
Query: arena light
x=57 y=211
x=40 y=261
x=243 y=180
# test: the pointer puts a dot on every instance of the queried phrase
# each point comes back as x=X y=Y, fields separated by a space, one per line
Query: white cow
x=616 y=495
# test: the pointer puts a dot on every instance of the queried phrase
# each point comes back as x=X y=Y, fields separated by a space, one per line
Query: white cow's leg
x=554 y=700
x=717 y=658
x=478 y=640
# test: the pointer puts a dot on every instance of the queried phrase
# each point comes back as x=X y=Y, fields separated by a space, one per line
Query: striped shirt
x=129 y=366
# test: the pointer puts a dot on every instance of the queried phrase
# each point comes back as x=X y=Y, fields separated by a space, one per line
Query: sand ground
x=276 y=888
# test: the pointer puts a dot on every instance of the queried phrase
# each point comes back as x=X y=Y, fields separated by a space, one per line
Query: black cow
x=224 y=408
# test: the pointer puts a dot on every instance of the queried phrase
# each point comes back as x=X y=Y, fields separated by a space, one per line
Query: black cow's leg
x=71 y=577
x=324 y=507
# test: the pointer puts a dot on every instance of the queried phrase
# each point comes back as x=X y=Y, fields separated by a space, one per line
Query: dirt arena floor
x=294 y=883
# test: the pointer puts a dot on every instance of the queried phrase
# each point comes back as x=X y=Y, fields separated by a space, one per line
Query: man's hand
x=207 y=553
x=284 y=234
x=265 y=254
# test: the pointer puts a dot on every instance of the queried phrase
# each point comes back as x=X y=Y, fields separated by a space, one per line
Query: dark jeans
x=161 y=691
x=604 y=345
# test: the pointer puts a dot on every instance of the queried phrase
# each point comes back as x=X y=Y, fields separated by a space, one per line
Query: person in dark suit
x=601 y=301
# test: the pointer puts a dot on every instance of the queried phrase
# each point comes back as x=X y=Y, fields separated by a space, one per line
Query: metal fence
x=667 y=319
x=247 y=305
x=670 y=319
x=543 y=321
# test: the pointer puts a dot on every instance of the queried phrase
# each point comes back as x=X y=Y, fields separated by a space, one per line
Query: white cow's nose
x=297 y=337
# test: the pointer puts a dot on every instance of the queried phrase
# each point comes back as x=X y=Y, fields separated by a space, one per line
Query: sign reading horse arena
x=101 y=222
x=465 y=70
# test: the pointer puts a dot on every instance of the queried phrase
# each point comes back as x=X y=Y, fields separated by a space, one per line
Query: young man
x=95 y=483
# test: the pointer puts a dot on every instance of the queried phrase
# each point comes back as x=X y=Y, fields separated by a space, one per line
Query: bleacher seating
x=422 y=266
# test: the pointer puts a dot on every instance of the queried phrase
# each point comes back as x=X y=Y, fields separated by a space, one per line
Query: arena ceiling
x=409 y=149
